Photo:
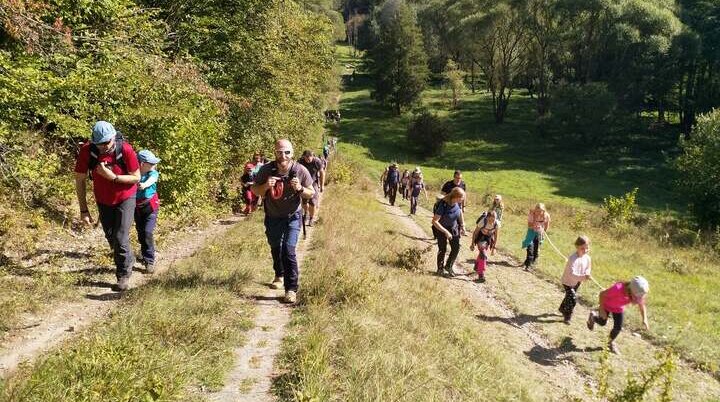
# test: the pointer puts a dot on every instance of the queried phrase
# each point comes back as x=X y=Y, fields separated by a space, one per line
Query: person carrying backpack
x=538 y=225
x=457 y=181
x=392 y=181
x=405 y=184
x=246 y=181
x=317 y=171
x=284 y=183
x=416 y=186
x=447 y=226
x=111 y=163
x=484 y=237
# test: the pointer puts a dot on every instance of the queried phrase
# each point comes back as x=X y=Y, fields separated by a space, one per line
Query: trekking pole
x=304 y=229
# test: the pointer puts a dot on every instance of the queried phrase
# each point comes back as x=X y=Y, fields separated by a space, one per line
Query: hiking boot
x=149 y=268
x=277 y=283
x=439 y=272
x=480 y=279
x=613 y=348
x=310 y=222
x=123 y=284
x=450 y=272
x=290 y=297
x=591 y=321
x=566 y=319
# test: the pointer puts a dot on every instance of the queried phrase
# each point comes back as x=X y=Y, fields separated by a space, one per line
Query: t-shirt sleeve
x=304 y=175
x=318 y=163
x=83 y=160
x=131 y=160
x=155 y=174
x=446 y=188
x=438 y=209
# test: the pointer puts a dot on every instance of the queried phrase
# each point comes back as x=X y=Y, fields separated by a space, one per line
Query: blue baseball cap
x=103 y=132
x=147 y=156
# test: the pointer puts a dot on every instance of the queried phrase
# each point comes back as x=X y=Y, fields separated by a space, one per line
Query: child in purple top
x=613 y=301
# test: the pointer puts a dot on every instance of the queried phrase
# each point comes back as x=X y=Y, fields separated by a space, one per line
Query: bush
x=699 y=167
x=621 y=209
x=427 y=133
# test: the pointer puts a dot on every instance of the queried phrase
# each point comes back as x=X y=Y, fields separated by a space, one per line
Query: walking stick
x=304 y=229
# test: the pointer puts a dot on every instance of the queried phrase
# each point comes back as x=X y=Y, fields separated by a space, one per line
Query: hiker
x=613 y=301
x=258 y=160
x=405 y=184
x=499 y=207
x=392 y=181
x=577 y=271
x=447 y=226
x=457 y=181
x=110 y=162
x=416 y=185
x=284 y=183
x=146 y=207
x=484 y=237
x=383 y=182
x=538 y=224
x=326 y=150
x=246 y=182
x=317 y=171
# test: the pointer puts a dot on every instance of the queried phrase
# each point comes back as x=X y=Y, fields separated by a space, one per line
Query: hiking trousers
x=568 y=304
x=282 y=235
x=145 y=223
x=392 y=193
x=442 y=250
x=533 y=252
x=116 y=221
x=617 y=322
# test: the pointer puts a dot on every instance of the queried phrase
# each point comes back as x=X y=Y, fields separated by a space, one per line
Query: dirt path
x=251 y=378
x=514 y=334
x=41 y=333
x=529 y=303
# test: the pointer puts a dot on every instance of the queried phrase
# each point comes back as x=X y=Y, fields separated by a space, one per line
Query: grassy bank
x=167 y=338
x=511 y=159
x=368 y=331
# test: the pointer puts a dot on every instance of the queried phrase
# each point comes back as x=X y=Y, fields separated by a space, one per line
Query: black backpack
x=393 y=176
x=95 y=152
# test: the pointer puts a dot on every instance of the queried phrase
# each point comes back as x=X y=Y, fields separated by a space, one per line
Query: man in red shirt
x=115 y=172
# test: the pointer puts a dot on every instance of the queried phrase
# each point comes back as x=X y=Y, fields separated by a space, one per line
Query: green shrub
x=621 y=209
x=699 y=168
x=427 y=134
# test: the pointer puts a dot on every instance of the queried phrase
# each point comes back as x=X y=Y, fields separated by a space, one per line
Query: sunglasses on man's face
x=283 y=152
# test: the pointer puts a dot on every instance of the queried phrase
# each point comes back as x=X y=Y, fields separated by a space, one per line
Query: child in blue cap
x=146 y=210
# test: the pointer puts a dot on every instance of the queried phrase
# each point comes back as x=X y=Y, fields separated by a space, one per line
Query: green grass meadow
x=512 y=159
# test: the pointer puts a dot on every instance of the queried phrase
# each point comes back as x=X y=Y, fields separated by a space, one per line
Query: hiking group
x=125 y=190
x=448 y=226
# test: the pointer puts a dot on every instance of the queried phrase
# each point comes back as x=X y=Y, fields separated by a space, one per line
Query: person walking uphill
x=284 y=183
x=110 y=162
x=392 y=182
x=577 y=270
x=613 y=301
x=447 y=226
x=147 y=206
x=538 y=224
x=316 y=168
x=457 y=181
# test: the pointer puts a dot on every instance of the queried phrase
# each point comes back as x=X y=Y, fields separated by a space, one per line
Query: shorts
x=315 y=200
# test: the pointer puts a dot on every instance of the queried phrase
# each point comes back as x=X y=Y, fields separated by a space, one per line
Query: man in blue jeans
x=283 y=184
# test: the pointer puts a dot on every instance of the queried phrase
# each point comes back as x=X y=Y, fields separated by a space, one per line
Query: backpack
x=482 y=216
x=95 y=152
x=393 y=176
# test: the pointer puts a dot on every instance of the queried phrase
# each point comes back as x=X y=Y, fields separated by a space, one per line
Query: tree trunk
x=472 y=75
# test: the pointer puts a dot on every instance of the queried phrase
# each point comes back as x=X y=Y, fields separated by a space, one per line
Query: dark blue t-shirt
x=449 y=215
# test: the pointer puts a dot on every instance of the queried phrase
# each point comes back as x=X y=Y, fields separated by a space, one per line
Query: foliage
x=455 y=79
x=427 y=134
x=397 y=61
x=621 y=209
x=585 y=113
x=640 y=384
x=699 y=168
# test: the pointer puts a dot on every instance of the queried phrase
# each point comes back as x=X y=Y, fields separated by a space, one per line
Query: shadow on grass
x=477 y=143
x=552 y=356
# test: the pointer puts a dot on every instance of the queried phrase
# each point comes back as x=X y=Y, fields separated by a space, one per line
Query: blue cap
x=103 y=132
x=147 y=156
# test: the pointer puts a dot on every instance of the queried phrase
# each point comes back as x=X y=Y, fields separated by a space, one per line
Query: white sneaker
x=290 y=297
x=277 y=283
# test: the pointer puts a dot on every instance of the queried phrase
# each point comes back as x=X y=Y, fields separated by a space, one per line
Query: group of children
x=612 y=301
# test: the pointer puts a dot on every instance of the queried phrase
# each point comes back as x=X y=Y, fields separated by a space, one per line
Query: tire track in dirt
x=251 y=377
x=515 y=334
x=59 y=324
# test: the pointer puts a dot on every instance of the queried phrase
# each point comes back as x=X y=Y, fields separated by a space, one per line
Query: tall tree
x=397 y=61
